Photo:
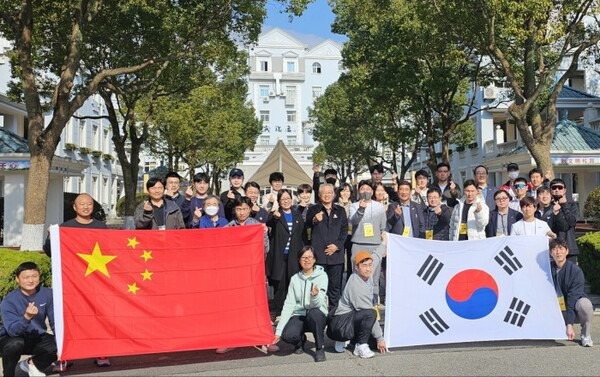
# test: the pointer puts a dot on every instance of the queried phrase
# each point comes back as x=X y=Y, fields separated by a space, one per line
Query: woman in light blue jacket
x=305 y=307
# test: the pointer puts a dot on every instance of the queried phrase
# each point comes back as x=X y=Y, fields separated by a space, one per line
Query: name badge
x=309 y=233
x=429 y=234
x=349 y=228
x=162 y=227
x=463 y=228
x=368 y=229
x=406 y=231
x=561 y=303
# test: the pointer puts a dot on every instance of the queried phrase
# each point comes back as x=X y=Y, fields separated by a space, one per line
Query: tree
x=56 y=44
x=212 y=126
x=536 y=45
x=414 y=68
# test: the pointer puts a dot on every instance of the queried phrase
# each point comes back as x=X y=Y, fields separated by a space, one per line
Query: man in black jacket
x=450 y=190
x=565 y=217
x=377 y=171
x=327 y=228
x=437 y=217
x=502 y=217
x=569 y=283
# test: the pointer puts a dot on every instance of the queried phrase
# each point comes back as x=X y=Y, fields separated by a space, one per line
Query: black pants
x=42 y=348
x=281 y=287
x=360 y=330
x=349 y=262
x=314 y=321
x=335 y=274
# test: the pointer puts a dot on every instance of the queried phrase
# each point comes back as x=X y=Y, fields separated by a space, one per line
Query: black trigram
x=430 y=269
x=434 y=322
x=517 y=312
x=508 y=261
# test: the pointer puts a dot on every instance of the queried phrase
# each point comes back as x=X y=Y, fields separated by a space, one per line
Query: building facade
x=286 y=75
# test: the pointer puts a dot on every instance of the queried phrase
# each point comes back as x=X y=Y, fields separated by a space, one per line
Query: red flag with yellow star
x=122 y=292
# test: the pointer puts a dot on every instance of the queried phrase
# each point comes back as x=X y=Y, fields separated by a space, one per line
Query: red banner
x=145 y=291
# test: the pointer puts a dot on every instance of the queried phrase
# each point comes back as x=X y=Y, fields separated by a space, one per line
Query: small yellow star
x=97 y=261
x=132 y=242
x=147 y=275
x=147 y=255
x=133 y=288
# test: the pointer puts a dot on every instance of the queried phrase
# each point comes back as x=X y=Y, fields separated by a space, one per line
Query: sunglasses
x=557 y=187
x=520 y=185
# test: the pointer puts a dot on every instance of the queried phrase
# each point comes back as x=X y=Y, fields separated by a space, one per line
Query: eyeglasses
x=307 y=258
x=520 y=186
x=557 y=187
x=502 y=198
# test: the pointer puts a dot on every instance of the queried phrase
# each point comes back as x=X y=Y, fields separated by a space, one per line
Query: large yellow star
x=133 y=288
x=132 y=242
x=147 y=275
x=147 y=255
x=97 y=261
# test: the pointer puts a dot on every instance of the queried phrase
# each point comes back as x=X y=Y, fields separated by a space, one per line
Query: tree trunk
x=36 y=198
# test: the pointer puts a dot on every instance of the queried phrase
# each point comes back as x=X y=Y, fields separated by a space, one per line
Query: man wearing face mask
x=330 y=178
x=513 y=173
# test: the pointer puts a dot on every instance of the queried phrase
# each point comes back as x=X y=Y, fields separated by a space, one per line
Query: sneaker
x=272 y=348
x=363 y=351
x=103 y=362
x=224 y=350
x=341 y=346
x=30 y=369
x=60 y=366
x=586 y=341
x=320 y=355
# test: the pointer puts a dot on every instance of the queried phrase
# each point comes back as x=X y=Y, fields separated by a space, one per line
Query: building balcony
x=507 y=147
x=595 y=124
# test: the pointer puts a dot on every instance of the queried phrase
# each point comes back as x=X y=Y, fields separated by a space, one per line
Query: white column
x=55 y=203
x=14 y=207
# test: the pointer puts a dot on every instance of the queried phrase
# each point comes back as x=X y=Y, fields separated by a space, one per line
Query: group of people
x=310 y=243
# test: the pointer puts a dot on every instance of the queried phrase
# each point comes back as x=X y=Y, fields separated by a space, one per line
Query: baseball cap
x=362 y=255
x=512 y=166
x=236 y=171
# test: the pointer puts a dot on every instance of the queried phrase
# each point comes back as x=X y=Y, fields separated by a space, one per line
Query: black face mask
x=331 y=181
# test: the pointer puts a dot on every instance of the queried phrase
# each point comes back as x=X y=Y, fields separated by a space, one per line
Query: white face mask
x=513 y=174
x=211 y=211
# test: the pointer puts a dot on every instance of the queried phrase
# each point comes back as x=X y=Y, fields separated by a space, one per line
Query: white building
x=575 y=152
x=84 y=160
x=286 y=75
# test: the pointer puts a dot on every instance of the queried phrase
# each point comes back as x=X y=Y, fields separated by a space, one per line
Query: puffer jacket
x=476 y=221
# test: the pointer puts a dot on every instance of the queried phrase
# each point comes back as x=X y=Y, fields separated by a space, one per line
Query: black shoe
x=320 y=355
x=298 y=350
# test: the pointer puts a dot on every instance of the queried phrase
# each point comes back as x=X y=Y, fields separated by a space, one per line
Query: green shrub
x=139 y=197
x=589 y=259
x=11 y=259
x=592 y=206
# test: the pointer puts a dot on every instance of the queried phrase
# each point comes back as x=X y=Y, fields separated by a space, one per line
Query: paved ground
x=489 y=358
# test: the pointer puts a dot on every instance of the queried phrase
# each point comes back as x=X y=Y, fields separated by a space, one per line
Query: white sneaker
x=30 y=369
x=363 y=351
x=341 y=346
x=586 y=341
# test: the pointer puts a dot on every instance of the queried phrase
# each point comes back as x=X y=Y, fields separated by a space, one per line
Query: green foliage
x=589 y=259
x=120 y=208
x=464 y=135
x=592 y=206
x=11 y=259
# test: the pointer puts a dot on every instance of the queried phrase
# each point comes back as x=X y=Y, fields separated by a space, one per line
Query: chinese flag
x=121 y=292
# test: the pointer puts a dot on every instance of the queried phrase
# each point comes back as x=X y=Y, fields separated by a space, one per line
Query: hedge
x=589 y=259
x=11 y=259
x=139 y=197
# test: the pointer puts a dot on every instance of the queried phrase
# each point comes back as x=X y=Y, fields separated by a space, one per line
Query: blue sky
x=312 y=27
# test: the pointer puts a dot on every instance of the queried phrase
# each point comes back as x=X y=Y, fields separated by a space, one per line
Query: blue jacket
x=570 y=282
x=13 y=309
x=206 y=222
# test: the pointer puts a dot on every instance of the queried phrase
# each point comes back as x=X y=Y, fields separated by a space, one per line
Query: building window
x=316 y=68
x=106 y=146
x=264 y=116
x=291 y=66
x=264 y=90
x=290 y=95
x=291 y=140
x=316 y=91
x=96 y=140
x=264 y=140
x=291 y=116
x=82 y=133
x=264 y=66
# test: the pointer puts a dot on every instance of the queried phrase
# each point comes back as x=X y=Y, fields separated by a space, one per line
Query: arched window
x=316 y=67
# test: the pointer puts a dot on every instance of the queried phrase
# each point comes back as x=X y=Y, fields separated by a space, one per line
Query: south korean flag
x=445 y=292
